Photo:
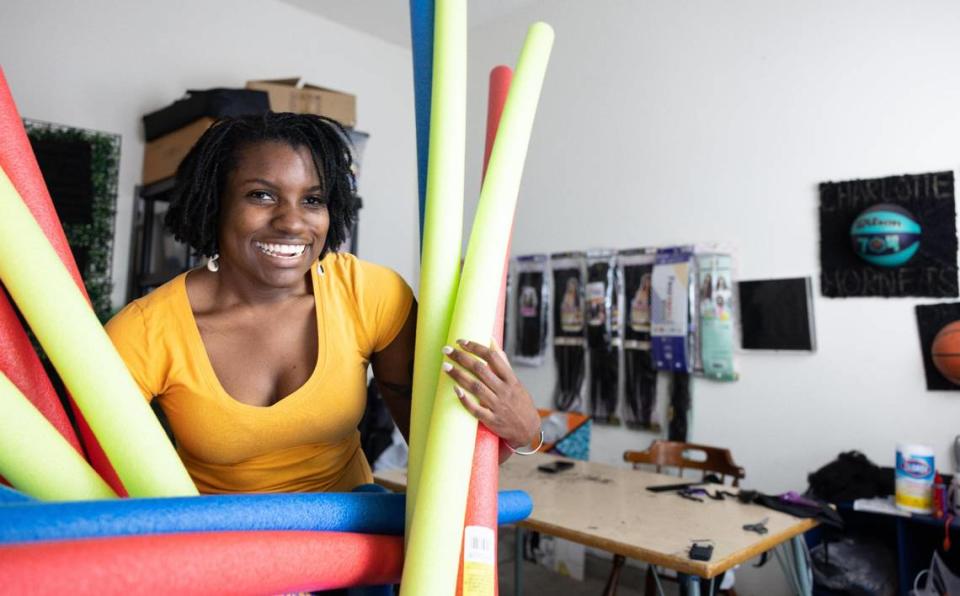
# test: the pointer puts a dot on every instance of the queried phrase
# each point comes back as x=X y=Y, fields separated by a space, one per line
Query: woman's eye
x=260 y=195
x=315 y=200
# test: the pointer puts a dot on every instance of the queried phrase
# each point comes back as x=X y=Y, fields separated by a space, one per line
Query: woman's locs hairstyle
x=201 y=178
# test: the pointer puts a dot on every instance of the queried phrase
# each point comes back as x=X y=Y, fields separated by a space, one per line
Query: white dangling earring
x=320 y=269
x=213 y=263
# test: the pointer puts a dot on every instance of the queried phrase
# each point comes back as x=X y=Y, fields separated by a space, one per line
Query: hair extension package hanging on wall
x=530 y=314
x=673 y=328
x=672 y=309
x=715 y=300
x=603 y=335
x=640 y=377
x=568 y=329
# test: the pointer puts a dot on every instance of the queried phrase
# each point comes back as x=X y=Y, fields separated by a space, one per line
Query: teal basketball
x=885 y=235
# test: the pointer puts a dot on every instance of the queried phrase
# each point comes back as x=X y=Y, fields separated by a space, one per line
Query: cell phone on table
x=555 y=466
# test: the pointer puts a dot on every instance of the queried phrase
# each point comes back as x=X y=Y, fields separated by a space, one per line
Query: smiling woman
x=260 y=362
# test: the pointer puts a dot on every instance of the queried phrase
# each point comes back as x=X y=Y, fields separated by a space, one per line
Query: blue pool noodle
x=10 y=496
x=421 y=37
x=363 y=512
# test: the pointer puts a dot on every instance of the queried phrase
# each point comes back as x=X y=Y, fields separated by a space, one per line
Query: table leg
x=692 y=583
x=787 y=568
x=656 y=580
x=518 y=563
x=800 y=565
x=903 y=547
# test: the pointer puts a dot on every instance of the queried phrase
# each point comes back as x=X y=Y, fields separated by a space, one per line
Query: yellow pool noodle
x=83 y=355
x=36 y=459
x=443 y=223
x=433 y=547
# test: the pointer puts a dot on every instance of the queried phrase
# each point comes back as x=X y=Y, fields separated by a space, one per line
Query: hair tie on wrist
x=518 y=452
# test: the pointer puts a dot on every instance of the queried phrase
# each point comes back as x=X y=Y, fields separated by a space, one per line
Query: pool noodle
x=18 y=359
x=433 y=550
x=421 y=38
x=482 y=492
x=442 y=237
x=362 y=512
x=90 y=367
x=203 y=563
x=36 y=459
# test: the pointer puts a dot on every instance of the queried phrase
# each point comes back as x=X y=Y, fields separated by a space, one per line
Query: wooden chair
x=678 y=456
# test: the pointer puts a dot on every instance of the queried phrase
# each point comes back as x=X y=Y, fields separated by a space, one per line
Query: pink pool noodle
x=18 y=360
x=484 y=480
x=270 y=562
x=19 y=163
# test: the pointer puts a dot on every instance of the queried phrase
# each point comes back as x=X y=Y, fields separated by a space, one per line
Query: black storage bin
x=214 y=103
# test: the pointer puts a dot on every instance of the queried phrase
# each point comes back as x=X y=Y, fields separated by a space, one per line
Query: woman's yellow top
x=307 y=441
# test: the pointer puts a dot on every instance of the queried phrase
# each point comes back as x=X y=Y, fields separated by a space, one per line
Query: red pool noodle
x=19 y=163
x=23 y=367
x=484 y=479
x=270 y=562
x=500 y=78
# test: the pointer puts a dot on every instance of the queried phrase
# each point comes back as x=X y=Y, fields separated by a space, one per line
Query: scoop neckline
x=199 y=349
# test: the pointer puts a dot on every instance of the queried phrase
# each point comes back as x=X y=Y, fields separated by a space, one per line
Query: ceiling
x=390 y=19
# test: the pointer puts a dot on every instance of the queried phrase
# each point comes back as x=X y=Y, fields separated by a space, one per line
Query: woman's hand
x=502 y=403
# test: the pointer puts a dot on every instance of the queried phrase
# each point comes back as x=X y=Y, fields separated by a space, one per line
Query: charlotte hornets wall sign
x=892 y=236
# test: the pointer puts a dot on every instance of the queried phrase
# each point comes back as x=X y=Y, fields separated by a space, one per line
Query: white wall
x=665 y=122
x=661 y=122
x=102 y=64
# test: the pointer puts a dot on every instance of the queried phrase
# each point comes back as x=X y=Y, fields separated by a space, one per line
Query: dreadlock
x=194 y=210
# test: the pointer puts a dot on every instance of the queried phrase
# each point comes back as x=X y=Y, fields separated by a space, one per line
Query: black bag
x=214 y=103
x=849 y=477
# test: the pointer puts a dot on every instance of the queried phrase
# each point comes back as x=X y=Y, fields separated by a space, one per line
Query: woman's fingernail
x=447 y=367
x=447 y=350
x=459 y=391
x=462 y=342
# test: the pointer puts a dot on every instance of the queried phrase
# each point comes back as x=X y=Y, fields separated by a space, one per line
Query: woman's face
x=273 y=219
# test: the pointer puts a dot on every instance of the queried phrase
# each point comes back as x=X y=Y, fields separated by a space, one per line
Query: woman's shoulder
x=159 y=303
x=355 y=271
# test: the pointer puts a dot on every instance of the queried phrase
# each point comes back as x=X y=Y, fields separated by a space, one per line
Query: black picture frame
x=80 y=168
x=931 y=272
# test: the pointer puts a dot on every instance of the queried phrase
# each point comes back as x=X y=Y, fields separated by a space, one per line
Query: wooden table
x=609 y=508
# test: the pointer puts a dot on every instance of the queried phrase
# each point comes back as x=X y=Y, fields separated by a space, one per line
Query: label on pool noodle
x=479 y=554
x=478 y=546
x=477 y=579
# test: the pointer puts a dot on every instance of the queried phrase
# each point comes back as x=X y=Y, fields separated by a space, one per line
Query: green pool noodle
x=433 y=547
x=443 y=224
x=36 y=459
x=83 y=355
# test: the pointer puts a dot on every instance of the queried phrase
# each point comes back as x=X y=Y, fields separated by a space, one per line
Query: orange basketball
x=946 y=352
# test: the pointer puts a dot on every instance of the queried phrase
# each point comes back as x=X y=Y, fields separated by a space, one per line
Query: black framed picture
x=889 y=237
x=80 y=169
x=777 y=314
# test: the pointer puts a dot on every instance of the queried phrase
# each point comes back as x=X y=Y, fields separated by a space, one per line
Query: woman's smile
x=286 y=252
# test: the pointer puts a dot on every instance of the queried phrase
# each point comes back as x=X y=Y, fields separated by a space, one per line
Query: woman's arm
x=393 y=372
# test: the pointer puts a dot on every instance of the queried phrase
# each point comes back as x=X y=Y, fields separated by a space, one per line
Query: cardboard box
x=293 y=95
x=162 y=156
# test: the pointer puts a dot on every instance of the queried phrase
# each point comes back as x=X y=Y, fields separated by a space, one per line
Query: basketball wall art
x=893 y=236
x=939 y=329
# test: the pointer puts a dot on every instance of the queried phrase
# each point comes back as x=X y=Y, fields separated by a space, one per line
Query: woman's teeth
x=282 y=250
